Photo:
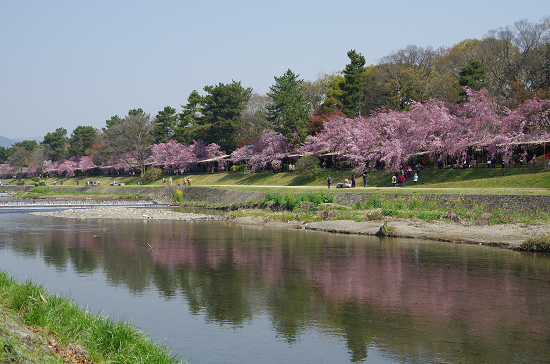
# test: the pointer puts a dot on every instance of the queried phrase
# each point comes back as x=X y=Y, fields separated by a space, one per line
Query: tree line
x=512 y=64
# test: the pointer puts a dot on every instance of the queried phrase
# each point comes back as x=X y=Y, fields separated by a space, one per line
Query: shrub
x=308 y=166
x=150 y=175
x=177 y=197
x=41 y=190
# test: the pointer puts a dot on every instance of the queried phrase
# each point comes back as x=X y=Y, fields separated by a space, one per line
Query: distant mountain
x=38 y=139
x=5 y=142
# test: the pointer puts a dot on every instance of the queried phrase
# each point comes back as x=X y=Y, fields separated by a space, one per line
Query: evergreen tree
x=81 y=140
x=56 y=143
x=289 y=107
x=220 y=114
x=353 y=85
x=164 y=125
x=112 y=121
x=185 y=131
x=472 y=76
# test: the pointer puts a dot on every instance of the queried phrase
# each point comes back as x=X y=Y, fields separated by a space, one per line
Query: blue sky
x=70 y=63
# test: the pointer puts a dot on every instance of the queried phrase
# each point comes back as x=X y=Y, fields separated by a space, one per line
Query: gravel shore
x=505 y=235
x=125 y=213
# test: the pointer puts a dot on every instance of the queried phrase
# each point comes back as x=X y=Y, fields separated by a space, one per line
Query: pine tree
x=472 y=76
x=290 y=107
x=354 y=85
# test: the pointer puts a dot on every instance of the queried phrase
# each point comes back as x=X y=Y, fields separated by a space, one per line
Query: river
x=220 y=293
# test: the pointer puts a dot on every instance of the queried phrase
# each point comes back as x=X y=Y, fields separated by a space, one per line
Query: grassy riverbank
x=37 y=327
x=518 y=180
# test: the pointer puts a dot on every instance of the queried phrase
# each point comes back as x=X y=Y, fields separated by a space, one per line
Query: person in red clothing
x=402 y=179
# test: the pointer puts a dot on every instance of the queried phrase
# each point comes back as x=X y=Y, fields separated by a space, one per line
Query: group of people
x=347 y=183
x=399 y=178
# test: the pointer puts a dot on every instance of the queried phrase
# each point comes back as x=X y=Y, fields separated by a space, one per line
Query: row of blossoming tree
x=434 y=128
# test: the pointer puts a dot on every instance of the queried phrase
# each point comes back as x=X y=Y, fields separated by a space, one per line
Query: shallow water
x=221 y=293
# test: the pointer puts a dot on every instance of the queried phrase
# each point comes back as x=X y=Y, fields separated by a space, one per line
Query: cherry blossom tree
x=270 y=149
x=434 y=129
x=6 y=171
x=172 y=154
x=86 y=163
x=69 y=166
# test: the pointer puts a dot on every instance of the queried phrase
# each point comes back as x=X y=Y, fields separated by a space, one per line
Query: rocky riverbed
x=503 y=235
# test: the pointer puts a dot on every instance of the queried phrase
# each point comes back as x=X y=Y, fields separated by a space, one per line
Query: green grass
x=517 y=180
x=526 y=180
x=105 y=339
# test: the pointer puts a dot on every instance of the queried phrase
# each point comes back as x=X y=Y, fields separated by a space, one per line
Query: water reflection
x=414 y=301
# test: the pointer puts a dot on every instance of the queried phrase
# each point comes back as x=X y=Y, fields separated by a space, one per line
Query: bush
x=373 y=202
x=177 y=197
x=238 y=168
x=41 y=190
x=35 y=179
x=151 y=175
x=293 y=201
x=308 y=166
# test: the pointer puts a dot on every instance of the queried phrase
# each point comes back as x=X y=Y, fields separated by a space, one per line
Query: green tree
x=472 y=76
x=164 y=124
x=27 y=144
x=333 y=100
x=220 y=111
x=289 y=107
x=185 y=131
x=135 y=112
x=81 y=140
x=353 y=85
x=308 y=166
x=5 y=153
x=56 y=143
x=112 y=121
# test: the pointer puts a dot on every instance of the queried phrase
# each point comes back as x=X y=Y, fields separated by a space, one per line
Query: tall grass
x=105 y=339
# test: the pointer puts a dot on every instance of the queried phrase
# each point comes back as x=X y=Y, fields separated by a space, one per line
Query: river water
x=220 y=293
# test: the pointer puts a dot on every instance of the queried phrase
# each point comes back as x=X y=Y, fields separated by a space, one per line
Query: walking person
x=328 y=181
x=365 y=179
x=352 y=180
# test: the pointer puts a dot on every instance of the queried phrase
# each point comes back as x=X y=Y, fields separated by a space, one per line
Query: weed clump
x=291 y=201
x=540 y=243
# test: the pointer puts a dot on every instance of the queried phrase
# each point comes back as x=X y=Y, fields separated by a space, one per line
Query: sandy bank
x=125 y=213
x=506 y=235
